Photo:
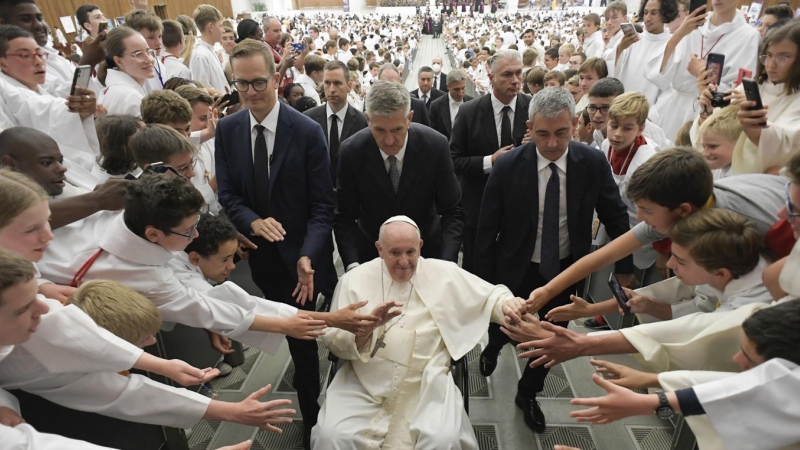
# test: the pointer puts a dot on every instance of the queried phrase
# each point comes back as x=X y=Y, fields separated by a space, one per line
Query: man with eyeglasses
x=274 y=181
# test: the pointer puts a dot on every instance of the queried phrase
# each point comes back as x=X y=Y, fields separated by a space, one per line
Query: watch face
x=664 y=412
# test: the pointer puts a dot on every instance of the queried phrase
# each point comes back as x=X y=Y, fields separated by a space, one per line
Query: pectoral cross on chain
x=378 y=344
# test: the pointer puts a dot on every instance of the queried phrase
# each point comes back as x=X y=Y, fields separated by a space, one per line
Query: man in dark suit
x=536 y=219
x=439 y=78
x=444 y=109
x=388 y=72
x=396 y=168
x=484 y=129
x=337 y=111
x=425 y=91
x=273 y=174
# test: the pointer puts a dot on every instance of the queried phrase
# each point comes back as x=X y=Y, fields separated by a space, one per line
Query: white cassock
x=142 y=265
x=76 y=137
x=157 y=82
x=174 y=67
x=779 y=142
x=206 y=68
x=737 y=40
x=309 y=87
x=122 y=95
x=404 y=396
x=204 y=171
x=645 y=53
x=25 y=437
x=592 y=46
x=60 y=73
x=609 y=53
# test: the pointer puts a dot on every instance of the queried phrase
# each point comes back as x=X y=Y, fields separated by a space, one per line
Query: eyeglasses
x=143 y=55
x=28 y=56
x=591 y=109
x=780 y=60
x=244 y=85
x=184 y=168
x=789 y=207
x=188 y=235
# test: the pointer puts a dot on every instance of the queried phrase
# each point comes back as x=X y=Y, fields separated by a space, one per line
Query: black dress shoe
x=534 y=417
x=488 y=361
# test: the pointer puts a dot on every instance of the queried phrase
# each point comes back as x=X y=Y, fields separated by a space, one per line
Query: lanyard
x=702 y=43
x=76 y=281
x=158 y=72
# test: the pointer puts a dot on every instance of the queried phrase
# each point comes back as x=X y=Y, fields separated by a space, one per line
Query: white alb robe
x=404 y=397
x=779 y=142
x=609 y=53
x=646 y=53
x=206 y=68
x=592 y=45
x=737 y=40
x=25 y=437
x=142 y=265
x=174 y=67
x=122 y=95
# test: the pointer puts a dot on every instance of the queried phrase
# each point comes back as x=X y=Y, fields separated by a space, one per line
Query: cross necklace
x=381 y=342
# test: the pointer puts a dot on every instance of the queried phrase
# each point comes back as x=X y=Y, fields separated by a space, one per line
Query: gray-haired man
x=444 y=109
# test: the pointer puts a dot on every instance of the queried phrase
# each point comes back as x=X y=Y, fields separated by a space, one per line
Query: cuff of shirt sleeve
x=195 y=138
x=487 y=163
x=689 y=403
x=351 y=266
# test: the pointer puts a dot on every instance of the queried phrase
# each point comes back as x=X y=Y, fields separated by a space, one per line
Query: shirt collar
x=543 y=163
x=497 y=105
x=341 y=114
x=205 y=44
x=399 y=154
x=121 y=242
x=453 y=102
x=270 y=122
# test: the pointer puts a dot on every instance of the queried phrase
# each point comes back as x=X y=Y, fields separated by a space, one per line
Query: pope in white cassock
x=394 y=389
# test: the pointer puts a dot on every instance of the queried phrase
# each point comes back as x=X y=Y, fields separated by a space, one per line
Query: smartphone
x=715 y=62
x=103 y=26
x=694 y=4
x=298 y=46
x=81 y=79
x=627 y=29
x=743 y=73
x=619 y=294
x=231 y=97
x=751 y=92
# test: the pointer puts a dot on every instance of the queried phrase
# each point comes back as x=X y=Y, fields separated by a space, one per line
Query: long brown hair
x=789 y=32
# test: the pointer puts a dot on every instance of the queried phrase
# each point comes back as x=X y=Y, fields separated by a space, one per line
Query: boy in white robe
x=394 y=387
x=205 y=65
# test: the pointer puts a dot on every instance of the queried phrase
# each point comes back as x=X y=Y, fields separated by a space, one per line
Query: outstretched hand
x=577 y=309
x=252 y=411
x=618 y=403
x=303 y=326
x=186 y=374
x=350 y=320
x=385 y=313
x=625 y=376
x=563 y=345
x=527 y=329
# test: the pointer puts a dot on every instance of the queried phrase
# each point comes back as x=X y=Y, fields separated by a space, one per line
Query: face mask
x=436 y=68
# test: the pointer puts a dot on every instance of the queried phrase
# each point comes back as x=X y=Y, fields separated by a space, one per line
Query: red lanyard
x=76 y=281
x=703 y=41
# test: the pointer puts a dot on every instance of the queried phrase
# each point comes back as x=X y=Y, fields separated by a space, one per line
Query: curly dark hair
x=214 y=231
x=667 y=8
x=160 y=201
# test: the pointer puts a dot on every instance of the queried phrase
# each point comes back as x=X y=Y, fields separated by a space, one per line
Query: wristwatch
x=664 y=411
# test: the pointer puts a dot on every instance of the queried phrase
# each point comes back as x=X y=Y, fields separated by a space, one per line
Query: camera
x=718 y=100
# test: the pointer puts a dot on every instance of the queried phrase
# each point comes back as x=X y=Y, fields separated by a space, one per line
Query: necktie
x=394 y=172
x=505 y=128
x=549 y=265
x=333 y=144
x=425 y=98
x=261 y=172
x=436 y=82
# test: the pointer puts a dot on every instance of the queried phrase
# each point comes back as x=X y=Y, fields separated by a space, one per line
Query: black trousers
x=532 y=381
x=468 y=263
x=277 y=283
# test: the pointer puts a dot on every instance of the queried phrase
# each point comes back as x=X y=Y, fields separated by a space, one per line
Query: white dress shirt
x=454 y=107
x=544 y=174
x=340 y=117
x=271 y=124
x=497 y=107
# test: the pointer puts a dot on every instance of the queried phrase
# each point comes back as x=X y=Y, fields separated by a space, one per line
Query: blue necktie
x=549 y=265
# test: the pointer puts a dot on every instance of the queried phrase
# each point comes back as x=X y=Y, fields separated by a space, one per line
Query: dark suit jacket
x=510 y=211
x=440 y=114
x=421 y=115
x=354 y=122
x=474 y=136
x=442 y=82
x=301 y=192
x=432 y=95
x=428 y=189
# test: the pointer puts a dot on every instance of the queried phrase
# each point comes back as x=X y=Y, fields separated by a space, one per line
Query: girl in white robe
x=767 y=149
x=129 y=63
x=726 y=33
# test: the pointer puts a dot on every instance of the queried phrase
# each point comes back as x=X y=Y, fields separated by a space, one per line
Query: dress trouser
x=532 y=381
x=467 y=263
x=277 y=283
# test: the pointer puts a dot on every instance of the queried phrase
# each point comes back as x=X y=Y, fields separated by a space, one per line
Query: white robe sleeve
x=68 y=341
x=8 y=400
x=25 y=437
x=751 y=410
x=343 y=343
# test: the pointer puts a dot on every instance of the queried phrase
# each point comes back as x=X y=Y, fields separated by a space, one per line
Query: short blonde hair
x=194 y=95
x=719 y=239
x=568 y=49
x=574 y=81
x=165 y=107
x=119 y=309
x=204 y=15
x=629 y=104
x=555 y=75
x=617 y=6
x=529 y=56
x=598 y=65
x=725 y=122
x=18 y=192
x=250 y=47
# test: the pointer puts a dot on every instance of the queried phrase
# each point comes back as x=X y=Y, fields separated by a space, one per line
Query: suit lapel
x=243 y=137
x=375 y=166
x=410 y=158
x=520 y=117
x=283 y=135
x=576 y=176
x=347 y=126
x=322 y=120
x=487 y=122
